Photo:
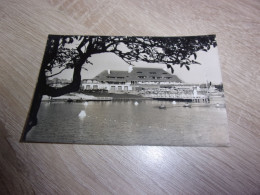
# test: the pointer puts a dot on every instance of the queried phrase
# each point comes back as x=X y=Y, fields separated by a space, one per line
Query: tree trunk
x=43 y=89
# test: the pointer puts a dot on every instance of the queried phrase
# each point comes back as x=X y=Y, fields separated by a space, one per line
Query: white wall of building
x=106 y=86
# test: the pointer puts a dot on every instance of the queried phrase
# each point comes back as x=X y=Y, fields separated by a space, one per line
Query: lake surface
x=125 y=123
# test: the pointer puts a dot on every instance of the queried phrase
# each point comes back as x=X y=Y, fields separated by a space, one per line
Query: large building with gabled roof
x=123 y=81
x=138 y=74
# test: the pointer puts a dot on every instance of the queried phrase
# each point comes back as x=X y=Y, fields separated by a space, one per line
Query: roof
x=138 y=74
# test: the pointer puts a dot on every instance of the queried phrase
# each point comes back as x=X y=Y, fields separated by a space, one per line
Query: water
x=125 y=123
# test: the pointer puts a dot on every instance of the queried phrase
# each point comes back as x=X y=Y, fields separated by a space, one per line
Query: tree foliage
x=72 y=52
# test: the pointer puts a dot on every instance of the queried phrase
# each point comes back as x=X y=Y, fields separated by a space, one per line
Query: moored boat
x=162 y=107
x=69 y=100
x=220 y=105
x=187 y=105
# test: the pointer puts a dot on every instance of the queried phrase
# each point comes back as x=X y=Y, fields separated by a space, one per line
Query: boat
x=69 y=100
x=162 y=107
x=79 y=100
x=187 y=105
x=220 y=105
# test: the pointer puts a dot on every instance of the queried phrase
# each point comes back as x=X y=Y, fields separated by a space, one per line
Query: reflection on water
x=129 y=123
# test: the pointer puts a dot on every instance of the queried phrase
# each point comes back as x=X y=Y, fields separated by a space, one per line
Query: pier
x=181 y=98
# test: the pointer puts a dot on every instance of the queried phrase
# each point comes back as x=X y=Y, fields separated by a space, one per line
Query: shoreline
x=85 y=97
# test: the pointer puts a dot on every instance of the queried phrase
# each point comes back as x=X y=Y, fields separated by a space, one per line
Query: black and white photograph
x=126 y=90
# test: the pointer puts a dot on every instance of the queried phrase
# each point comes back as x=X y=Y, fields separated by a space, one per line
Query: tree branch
x=56 y=73
x=83 y=43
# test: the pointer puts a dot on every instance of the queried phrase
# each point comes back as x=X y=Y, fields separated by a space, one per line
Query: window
x=141 y=77
x=165 y=73
x=167 y=77
x=159 y=77
x=109 y=77
x=139 y=72
x=120 y=77
x=152 y=72
x=113 y=88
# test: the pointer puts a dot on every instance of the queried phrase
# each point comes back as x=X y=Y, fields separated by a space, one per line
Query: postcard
x=129 y=90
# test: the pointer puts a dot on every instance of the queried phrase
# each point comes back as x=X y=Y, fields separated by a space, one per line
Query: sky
x=209 y=70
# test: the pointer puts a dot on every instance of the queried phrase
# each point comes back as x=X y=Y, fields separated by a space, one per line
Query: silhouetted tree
x=72 y=52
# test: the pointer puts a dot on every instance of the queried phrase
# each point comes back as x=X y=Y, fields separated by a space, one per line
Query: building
x=135 y=81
